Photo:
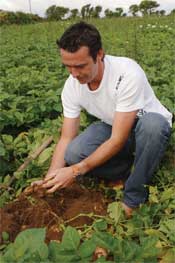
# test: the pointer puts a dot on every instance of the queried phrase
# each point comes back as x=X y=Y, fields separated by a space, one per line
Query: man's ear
x=101 y=54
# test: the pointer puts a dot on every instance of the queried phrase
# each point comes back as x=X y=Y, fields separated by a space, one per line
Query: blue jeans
x=143 y=151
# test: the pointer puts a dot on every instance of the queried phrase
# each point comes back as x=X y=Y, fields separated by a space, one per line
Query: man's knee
x=87 y=142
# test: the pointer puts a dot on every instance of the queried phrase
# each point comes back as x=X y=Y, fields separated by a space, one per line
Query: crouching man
x=134 y=127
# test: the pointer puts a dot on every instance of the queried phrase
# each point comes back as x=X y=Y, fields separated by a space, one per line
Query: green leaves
x=124 y=250
x=45 y=155
x=168 y=194
x=86 y=249
x=105 y=240
x=29 y=96
x=149 y=249
x=70 y=249
x=115 y=211
x=5 y=236
x=58 y=254
x=29 y=245
x=168 y=227
x=2 y=149
x=71 y=239
x=100 y=225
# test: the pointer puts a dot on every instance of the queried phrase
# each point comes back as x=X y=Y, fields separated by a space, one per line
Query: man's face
x=81 y=65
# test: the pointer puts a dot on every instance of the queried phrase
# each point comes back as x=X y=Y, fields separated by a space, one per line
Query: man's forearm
x=102 y=154
x=58 y=155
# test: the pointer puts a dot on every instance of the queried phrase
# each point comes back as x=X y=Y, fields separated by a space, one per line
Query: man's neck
x=93 y=85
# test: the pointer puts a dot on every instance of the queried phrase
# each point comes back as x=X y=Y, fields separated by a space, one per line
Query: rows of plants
x=32 y=78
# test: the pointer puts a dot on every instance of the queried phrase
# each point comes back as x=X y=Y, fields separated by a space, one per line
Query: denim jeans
x=142 y=152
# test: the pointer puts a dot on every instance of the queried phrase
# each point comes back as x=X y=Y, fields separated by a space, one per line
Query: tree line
x=87 y=11
x=55 y=13
x=18 y=18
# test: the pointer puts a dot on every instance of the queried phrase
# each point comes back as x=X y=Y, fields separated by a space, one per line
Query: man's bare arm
x=69 y=131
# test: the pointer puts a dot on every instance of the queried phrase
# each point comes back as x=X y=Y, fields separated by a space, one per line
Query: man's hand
x=49 y=175
x=60 y=179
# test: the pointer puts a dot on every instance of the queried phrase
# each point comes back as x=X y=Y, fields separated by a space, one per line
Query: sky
x=39 y=6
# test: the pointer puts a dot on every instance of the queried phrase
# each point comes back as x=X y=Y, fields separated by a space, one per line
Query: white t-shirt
x=123 y=88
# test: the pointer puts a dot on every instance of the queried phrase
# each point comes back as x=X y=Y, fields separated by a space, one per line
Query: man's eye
x=80 y=66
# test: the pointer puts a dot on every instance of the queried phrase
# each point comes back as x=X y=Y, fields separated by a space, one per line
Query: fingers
x=49 y=183
x=58 y=179
x=39 y=182
x=54 y=188
x=50 y=176
x=59 y=186
x=51 y=179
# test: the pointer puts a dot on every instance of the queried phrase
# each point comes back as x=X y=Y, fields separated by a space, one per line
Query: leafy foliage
x=28 y=246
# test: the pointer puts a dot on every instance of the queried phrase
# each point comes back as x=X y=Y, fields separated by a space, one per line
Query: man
x=116 y=91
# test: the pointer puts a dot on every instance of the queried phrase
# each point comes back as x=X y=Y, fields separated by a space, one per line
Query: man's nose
x=74 y=72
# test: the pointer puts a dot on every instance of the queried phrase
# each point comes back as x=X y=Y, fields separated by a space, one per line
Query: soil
x=33 y=208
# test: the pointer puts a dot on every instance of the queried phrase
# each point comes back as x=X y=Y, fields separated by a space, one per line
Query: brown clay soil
x=33 y=208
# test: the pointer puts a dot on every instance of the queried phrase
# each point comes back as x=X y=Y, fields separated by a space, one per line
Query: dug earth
x=33 y=208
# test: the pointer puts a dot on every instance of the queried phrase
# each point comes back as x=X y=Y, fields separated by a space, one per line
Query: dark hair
x=81 y=34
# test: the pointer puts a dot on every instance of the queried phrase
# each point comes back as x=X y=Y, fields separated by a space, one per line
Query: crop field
x=84 y=223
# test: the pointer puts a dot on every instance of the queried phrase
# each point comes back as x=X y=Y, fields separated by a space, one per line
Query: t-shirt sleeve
x=130 y=94
x=69 y=97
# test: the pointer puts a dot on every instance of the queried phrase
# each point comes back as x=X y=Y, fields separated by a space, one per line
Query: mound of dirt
x=34 y=208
